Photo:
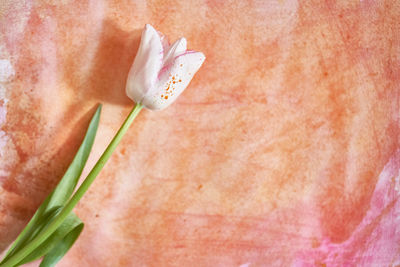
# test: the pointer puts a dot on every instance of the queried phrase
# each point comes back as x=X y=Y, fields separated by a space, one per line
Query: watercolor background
x=283 y=151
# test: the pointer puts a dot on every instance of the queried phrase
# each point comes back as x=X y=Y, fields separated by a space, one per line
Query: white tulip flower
x=161 y=72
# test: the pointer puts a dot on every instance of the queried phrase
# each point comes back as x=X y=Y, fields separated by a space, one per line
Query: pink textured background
x=284 y=150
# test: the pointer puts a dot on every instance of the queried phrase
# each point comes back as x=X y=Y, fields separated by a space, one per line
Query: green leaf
x=58 y=243
x=62 y=247
x=66 y=186
x=43 y=222
x=62 y=192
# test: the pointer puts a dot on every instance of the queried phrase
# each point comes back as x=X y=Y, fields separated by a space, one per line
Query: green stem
x=20 y=255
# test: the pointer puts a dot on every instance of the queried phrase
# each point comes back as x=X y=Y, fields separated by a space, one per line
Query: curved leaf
x=59 y=242
x=64 y=189
x=62 y=247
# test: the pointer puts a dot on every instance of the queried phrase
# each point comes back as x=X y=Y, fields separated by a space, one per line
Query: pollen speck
x=180 y=80
x=166 y=97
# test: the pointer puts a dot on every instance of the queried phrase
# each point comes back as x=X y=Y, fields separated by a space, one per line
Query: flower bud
x=161 y=72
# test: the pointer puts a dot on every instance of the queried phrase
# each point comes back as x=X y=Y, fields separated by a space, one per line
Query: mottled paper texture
x=283 y=151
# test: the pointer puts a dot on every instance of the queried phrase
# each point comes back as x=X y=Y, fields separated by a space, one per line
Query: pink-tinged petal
x=178 y=48
x=164 y=42
x=173 y=80
x=143 y=73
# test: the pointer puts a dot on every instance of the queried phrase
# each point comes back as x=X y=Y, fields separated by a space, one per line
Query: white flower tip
x=202 y=57
x=196 y=60
x=150 y=31
x=182 y=44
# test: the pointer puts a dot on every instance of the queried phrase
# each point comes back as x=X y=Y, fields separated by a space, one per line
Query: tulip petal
x=164 y=42
x=173 y=80
x=176 y=49
x=148 y=62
